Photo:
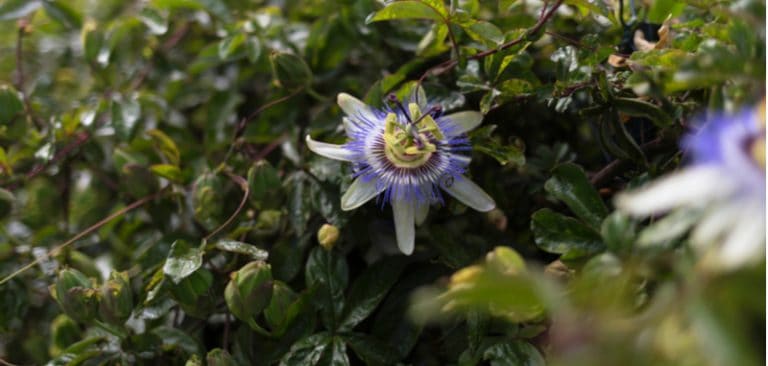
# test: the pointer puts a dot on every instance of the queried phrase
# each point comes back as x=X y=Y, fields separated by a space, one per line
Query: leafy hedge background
x=159 y=205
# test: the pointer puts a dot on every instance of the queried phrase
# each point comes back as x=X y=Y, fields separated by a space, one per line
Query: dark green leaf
x=560 y=234
x=328 y=272
x=570 y=185
x=369 y=289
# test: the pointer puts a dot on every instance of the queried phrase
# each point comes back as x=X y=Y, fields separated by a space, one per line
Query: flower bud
x=505 y=260
x=116 y=299
x=268 y=222
x=498 y=219
x=249 y=291
x=327 y=236
x=465 y=277
x=277 y=314
x=75 y=295
x=290 y=71
x=219 y=357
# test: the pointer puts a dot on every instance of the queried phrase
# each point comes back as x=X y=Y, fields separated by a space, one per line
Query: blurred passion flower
x=725 y=184
x=407 y=154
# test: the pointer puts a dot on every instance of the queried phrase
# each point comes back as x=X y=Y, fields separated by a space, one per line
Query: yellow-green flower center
x=410 y=145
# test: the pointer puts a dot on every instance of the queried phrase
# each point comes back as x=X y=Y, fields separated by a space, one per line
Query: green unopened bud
x=75 y=295
x=64 y=332
x=289 y=70
x=277 y=314
x=219 y=357
x=194 y=360
x=249 y=291
x=268 y=222
x=498 y=219
x=116 y=299
x=466 y=276
x=327 y=236
x=505 y=260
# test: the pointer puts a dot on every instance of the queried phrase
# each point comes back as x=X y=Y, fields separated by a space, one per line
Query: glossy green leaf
x=369 y=289
x=570 y=185
x=239 y=247
x=182 y=260
x=406 y=10
x=328 y=272
x=559 y=234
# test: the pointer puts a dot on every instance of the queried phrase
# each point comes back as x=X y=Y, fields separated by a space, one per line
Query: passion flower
x=406 y=155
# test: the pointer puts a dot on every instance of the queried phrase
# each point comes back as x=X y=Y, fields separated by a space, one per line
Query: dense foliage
x=160 y=206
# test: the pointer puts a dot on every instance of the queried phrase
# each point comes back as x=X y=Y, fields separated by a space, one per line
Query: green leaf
x=483 y=31
x=253 y=48
x=640 y=108
x=125 y=115
x=328 y=272
x=406 y=10
x=11 y=105
x=239 y=247
x=265 y=185
x=618 y=231
x=570 y=185
x=14 y=9
x=230 y=45
x=335 y=354
x=182 y=260
x=176 y=339
x=63 y=13
x=371 y=350
x=168 y=171
x=307 y=351
x=559 y=234
x=661 y=9
x=165 y=146
x=156 y=22
x=518 y=353
x=369 y=289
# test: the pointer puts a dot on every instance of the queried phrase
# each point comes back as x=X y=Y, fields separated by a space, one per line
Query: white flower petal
x=689 y=187
x=469 y=194
x=465 y=121
x=745 y=241
x=350 y=126
x=405 y=228
x=359 y=192
x=355 y=108
x=422 y=210
x=330 y=151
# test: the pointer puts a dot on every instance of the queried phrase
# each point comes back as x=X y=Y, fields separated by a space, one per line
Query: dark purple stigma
x=392 y=98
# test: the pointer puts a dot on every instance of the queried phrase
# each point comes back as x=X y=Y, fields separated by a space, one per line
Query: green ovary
x=409 y=146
